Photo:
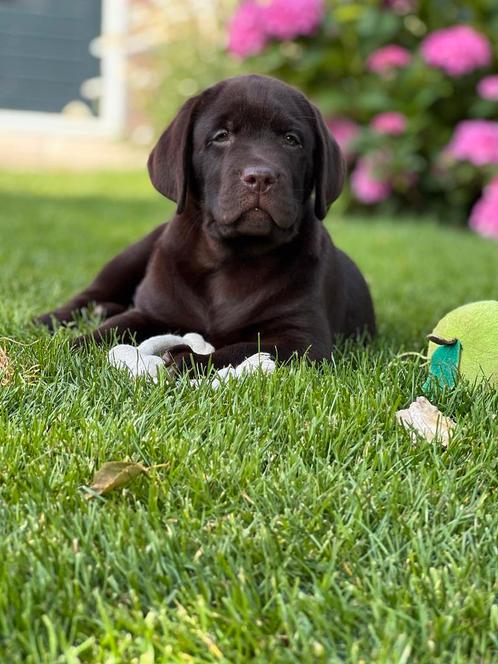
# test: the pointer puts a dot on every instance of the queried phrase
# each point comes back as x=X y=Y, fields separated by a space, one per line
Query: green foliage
x=191 y=59
x=296 y=521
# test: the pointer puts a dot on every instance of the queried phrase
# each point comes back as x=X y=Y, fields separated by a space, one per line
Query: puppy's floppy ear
x=170 y=161
x=329 y=166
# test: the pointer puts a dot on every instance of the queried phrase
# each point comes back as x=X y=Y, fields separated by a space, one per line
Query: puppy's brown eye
x=292 y=139
x=221 y=136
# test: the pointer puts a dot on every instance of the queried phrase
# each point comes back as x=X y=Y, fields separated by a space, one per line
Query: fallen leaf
x=6 y=368
x=423 y=419
x=115 y=475
x=118 y=474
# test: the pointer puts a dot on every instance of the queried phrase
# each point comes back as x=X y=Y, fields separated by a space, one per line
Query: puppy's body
x=246 y=261
x=303 y=291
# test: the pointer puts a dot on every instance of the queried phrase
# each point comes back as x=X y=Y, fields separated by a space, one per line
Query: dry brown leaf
x=118 y=474
x=423 y=419
x=6 y=368
x=115 y=475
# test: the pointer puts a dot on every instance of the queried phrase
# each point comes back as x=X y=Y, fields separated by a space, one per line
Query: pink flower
x=246 y=32
x=457 y=50
x=286 y=19
x=367 y=184
x=255 y=22
x=484 y=214
x=488 y=88
x=345 y=132
x=475 y=141
x=387 y=58
x=389 y=123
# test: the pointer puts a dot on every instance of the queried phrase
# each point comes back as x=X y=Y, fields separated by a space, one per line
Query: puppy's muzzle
x=259 y=179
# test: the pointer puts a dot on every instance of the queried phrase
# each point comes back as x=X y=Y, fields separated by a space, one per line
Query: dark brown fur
x=246 y=261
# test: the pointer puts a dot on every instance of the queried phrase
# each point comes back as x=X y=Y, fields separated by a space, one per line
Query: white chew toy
x=145 y=359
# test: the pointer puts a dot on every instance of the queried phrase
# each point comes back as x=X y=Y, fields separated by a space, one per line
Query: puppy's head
x=250 y=152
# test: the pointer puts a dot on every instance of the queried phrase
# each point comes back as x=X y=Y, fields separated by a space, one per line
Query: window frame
x=111 y=120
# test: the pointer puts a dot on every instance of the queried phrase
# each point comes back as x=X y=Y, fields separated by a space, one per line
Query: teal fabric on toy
x=444 y=367
x=475 y=325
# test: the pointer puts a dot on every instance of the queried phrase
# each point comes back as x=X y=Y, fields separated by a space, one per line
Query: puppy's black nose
x=258 y=178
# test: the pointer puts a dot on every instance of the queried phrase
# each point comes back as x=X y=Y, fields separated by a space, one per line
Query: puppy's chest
x=215 y=302
x=234 y=298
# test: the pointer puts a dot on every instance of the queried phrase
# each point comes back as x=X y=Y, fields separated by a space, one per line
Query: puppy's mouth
x=254 y=222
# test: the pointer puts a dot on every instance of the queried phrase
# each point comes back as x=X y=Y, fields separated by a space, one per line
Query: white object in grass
x=146 y=359
x=422 y=419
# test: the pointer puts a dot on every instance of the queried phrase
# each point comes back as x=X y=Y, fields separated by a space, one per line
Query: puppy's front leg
x=114 y=286
x=183 y=360
x=132 y=325
x=66 y=314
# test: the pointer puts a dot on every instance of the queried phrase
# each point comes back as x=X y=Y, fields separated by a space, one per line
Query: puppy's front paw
x=50 y=320
x=82 y=342
x=182 y=359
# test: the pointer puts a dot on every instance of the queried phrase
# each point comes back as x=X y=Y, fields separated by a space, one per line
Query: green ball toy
x=465 y=343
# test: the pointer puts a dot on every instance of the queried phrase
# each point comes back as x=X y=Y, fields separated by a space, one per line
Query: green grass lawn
x=296 y=521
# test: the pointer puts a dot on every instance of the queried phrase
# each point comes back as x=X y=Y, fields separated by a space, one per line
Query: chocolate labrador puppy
x=246 y=261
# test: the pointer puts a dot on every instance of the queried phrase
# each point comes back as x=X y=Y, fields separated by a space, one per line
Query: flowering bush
x=488 y=88
x=409 y=88
x=287 y=19
x=254 y=23
x=457 y=50
x=247 y=35
x=345 y=132
x=367 y=182
x=475 y=141
x=389 y=122
x=387 y=58
x=484 y=215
